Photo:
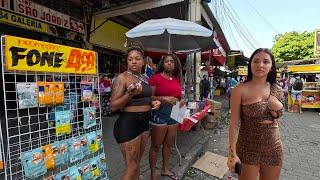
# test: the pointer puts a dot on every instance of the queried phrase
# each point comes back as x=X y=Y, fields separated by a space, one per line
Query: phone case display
x=52 y=125
x=89 y=115
x=33 y=163
x=60 y=152
x=63 y=122
x=27 y=95
x=86 y=91
x=102 y=163
x=50 y=93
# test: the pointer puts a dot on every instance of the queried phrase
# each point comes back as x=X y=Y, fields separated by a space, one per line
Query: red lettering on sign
x=81 y=61
x=21 y=8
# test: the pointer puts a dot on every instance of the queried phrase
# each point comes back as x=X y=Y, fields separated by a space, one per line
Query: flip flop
x=171 y=176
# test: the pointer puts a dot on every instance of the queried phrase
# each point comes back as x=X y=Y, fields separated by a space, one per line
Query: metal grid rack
x=29 y=128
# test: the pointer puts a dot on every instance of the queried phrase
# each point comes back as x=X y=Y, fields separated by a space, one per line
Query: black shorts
x=130 y=125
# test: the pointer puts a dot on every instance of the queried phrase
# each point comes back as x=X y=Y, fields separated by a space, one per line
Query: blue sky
x=283 y=15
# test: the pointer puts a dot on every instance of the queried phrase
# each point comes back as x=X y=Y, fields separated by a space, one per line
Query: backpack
x=298 y=85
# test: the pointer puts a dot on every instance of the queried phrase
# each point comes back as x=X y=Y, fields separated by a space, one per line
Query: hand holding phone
x=237 y=168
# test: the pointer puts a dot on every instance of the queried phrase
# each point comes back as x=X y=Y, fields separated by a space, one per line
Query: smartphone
x=237 y=168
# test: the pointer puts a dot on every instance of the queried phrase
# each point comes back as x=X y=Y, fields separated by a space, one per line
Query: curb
x=190 y=157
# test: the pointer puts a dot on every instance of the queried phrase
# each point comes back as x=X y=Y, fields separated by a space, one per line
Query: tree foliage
x=293 y=46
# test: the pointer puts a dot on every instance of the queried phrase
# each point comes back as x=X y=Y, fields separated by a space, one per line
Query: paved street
x=300 y=137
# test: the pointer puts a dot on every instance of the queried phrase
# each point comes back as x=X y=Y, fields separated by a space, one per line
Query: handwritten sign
x=31 y=55
x=50 y=16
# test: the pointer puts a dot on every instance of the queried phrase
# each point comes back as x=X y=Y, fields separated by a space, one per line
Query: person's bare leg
x=249 y=172
x=270 y=172
x=131 y=152
x=144 y=141
x=158 y=134
x=166 y=150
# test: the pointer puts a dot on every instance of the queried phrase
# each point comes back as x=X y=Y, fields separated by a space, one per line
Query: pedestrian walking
x=258 y=104
x=204 y=88
x=296 y=94
x=166 y=87
x=132 y=93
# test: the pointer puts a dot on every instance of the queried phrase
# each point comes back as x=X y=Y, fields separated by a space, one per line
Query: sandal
x=171 y=176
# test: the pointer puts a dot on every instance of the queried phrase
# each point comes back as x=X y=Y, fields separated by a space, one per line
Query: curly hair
x=137 y=46
x=272 y=75
x=177 y=71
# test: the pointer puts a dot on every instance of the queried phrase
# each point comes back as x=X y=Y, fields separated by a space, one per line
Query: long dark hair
x=272 y=75
x=177 y=65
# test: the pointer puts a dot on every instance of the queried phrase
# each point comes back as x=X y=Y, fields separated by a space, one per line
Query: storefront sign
x=50 y=16
x=31 y=55
x=5 y=4
x=242 y=71
x=311 y=68
x=24 y=22
x=311 y=99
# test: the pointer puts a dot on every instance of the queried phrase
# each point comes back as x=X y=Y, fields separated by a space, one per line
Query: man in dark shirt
x=204 y=87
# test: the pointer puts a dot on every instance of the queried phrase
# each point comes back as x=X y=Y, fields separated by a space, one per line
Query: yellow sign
x=30 y=55
x=242 y=71
x=24 y=22
x=115 y=33
x=310 y=68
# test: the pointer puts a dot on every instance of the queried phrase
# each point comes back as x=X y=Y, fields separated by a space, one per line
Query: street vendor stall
x=311 y=89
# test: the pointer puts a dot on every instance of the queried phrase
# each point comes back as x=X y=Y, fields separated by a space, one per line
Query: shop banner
x=317 y=43
x=242 y=71
x=30 y=55
x=5 y=4
x=310 y=68
x=50 y=16
x=24 y=22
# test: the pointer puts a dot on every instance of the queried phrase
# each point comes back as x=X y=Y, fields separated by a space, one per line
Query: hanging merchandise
x=93 y=142
x=74 y=173
x=52 y=117
x=85 y=169
x=86 y=91
x=27 y=95
x=60 y=152
x=75 y=149
x=102 y=162
x=33 y=163
x=48 y=157
x=63 y=122
x=89 y=117
x=95 y=168
x=63 y=175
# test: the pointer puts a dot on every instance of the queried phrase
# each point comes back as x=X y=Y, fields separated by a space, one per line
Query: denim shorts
x=162 y=116
x=296 y=95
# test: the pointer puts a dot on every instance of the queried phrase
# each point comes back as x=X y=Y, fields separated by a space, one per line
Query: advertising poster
x=30 y=55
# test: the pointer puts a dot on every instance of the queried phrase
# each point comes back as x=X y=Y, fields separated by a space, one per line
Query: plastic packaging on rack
x=74 y=173
x=85 y=170
x=84 y=145
x=60 y=152
x=89 y=117
x=63 y=122
x=95 y=168
x=63 y=175
x=33 y=163
x=100 y=138
x=102 y=162
x=93 y=143
x=48 y=157
x=75 y=149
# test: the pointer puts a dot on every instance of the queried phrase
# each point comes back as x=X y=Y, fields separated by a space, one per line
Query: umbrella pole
x=169 y=45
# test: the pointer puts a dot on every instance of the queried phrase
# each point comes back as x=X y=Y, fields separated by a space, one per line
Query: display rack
x=26 y=129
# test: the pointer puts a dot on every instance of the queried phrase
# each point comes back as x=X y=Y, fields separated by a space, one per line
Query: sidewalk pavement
x=190 y=145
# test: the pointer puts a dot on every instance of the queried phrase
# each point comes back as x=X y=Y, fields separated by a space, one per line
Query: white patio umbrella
x=170 y=34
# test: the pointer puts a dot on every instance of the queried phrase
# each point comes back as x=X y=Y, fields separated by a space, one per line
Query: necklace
x=166 y=76
x=140 y=77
